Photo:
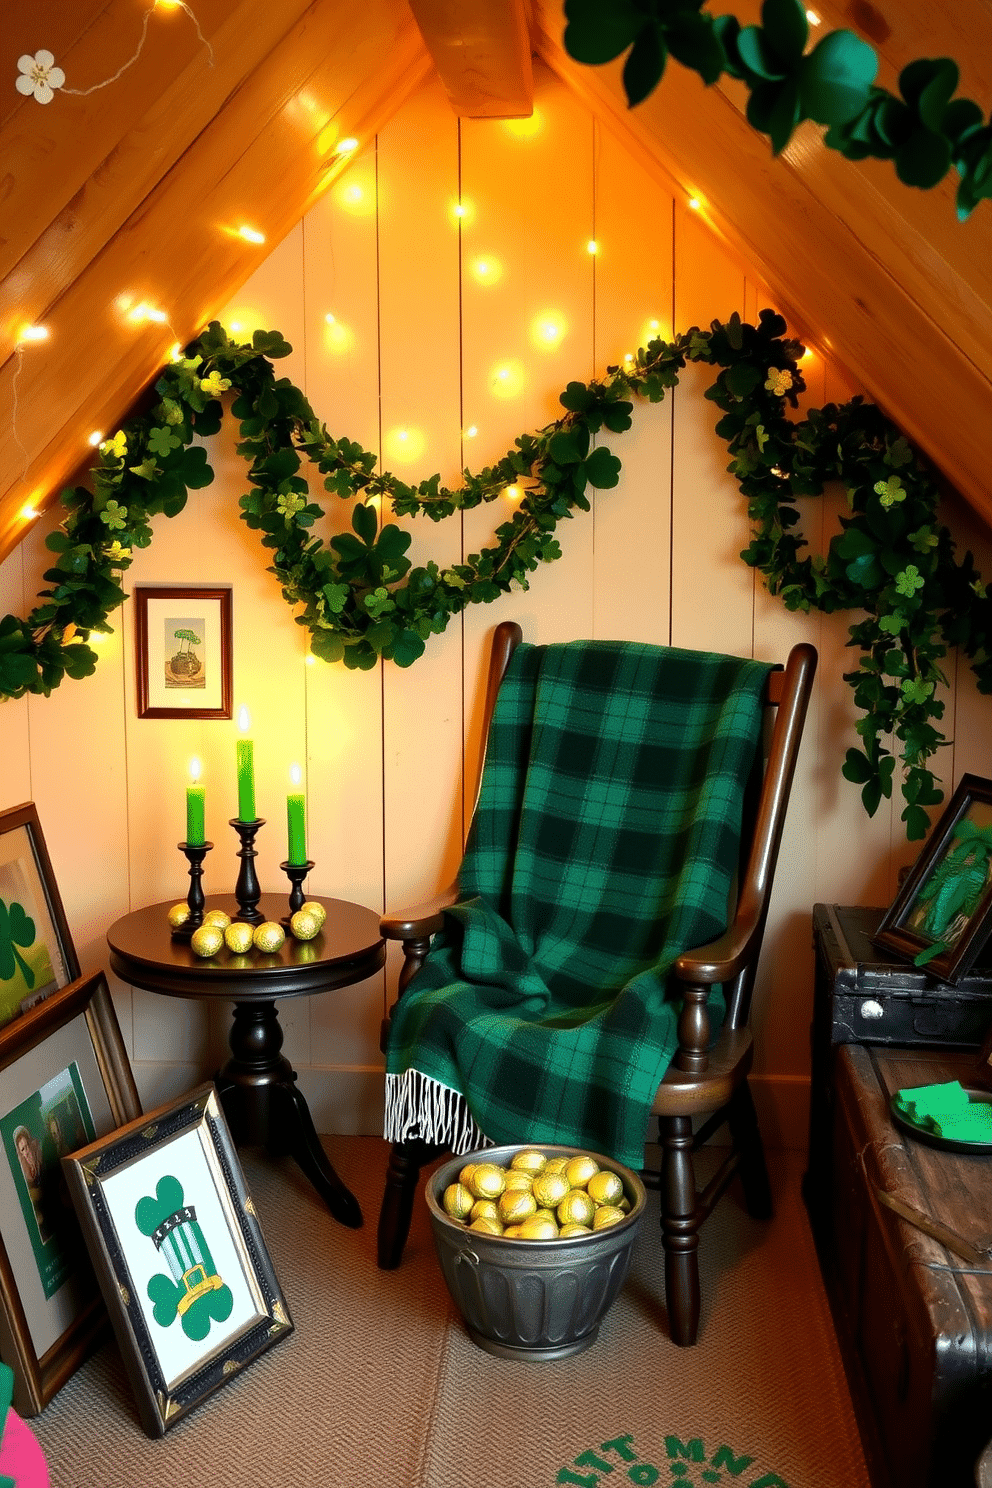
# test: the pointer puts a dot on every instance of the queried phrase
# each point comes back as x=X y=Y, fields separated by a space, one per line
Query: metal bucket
x=533 y=1299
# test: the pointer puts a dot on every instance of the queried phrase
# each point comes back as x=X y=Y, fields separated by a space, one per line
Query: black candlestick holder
x=296 y=873
x=247 y=890
x=195 y=898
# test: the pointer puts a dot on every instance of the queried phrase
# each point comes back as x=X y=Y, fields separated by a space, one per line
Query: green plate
x=931 y=1139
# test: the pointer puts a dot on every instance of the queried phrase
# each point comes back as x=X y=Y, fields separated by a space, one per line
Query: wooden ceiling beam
x=179 y=248
x=482 y=52
x=841 y=247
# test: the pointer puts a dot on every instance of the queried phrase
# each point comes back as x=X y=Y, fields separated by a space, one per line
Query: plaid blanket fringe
x=419 y=1107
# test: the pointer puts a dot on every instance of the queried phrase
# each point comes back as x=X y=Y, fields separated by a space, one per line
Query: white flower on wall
x=39 y=75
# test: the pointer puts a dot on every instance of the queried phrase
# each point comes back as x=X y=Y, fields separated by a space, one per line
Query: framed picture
x=36 y=951
x=183 y=648
x=942 y=915
x=177 y=1248
x=65 y=1080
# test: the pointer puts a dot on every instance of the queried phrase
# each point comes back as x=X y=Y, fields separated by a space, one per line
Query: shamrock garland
x=361 y=600
x=924 y=130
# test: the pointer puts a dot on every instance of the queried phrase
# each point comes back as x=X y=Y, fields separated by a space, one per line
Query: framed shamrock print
x=178 y=1251
x=64 y=1080
x=37 y=955
x=183 y=652
x=941 y=918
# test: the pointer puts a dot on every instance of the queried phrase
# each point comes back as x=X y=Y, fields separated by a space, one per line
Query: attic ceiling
x=132 y=194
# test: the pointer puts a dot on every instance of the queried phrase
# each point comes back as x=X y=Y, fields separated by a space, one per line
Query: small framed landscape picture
x=183 y=650
x=176 y=1246
x=36 y=951
x=64 y=1081
x=941 y=918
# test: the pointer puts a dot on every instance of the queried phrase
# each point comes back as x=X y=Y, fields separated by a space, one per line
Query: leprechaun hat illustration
x=193 y=1291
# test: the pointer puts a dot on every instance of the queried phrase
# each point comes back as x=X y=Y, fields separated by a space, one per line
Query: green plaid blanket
x=604 y=844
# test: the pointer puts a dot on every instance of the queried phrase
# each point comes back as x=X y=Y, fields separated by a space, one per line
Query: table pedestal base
x=264 y=1107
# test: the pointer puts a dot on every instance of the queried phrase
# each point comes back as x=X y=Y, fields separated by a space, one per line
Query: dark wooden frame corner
x=222 y=597
x=896 y=933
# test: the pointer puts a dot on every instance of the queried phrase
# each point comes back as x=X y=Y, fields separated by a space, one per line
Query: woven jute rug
x=381 y=1384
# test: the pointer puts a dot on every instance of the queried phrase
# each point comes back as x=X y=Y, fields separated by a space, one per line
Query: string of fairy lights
x=42 y=79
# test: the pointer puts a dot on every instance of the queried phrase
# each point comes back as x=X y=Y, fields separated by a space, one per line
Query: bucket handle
x=467 y=1255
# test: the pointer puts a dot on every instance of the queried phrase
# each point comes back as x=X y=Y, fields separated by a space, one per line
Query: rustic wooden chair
x=706 y=1085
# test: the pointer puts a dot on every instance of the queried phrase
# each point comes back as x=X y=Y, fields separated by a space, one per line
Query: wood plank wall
x=404 y=320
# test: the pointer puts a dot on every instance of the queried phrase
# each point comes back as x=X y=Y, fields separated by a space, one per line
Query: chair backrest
x=787 y=694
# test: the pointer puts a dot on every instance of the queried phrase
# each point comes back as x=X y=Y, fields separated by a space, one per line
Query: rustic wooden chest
x=914 y=1319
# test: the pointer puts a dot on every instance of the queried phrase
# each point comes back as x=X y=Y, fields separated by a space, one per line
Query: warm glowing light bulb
x=353 y=193
x=655 y=325
x=330 y=319
x=813 y=18
x=459 y=209
x=808 y=354
x=95 y=438
x=592 y=246
x=695 y=203
x=346 y=146
x=33 y=333
x=513 y=492
x=471 y=431
x=175 y=352
x=310 y=659
x=251 y=234
x=29 y=513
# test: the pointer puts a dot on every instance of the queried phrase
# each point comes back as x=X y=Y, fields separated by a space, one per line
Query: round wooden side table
x=257 y=1084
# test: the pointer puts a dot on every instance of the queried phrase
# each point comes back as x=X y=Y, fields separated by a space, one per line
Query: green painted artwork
x=25 y=965
x=950 y=896
x=36 y=1134
x=192 y=1291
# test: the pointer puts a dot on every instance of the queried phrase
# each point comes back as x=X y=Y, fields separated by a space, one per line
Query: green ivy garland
x=361 y=600
x=924 y=131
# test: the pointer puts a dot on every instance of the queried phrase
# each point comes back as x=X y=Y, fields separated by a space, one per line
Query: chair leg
x=402 y=1174
x=743 y=1122
x=679 y=1228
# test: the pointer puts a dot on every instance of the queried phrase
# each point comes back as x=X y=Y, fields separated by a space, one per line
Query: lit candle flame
x=194 y=769
x=295 y=774
x=244 y=720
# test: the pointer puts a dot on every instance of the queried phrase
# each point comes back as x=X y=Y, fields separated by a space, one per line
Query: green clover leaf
x=161 y=441
x=16 y=929
x=890 y=491
x=915 y=690
x=909 y=581
x=115 y=516
x=214 y=384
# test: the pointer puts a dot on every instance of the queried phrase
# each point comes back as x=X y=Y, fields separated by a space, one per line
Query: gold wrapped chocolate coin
x=457 y=1201
x=606 y=1214
x=206 y=940
x=484 y=1209
x=528 y=1160
x=549 y=1189
x=317 y=910
x=576 y=1208
x=269 y=936
x=605 y=1188
x=556 y=1165
x=578 y=1170
x=178 y=915
x=466 y=1173
x=217 y=917
x=568 y=1230
x=304 y=925
x=487 y=1181
x=538 y=1229
x=486 y=1226
x=517 y=1179
x=515 y=1206
x=238 y=937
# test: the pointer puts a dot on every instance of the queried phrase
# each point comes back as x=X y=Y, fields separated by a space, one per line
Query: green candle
x=296 y=822
x=246 y=771
x=195 y=813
